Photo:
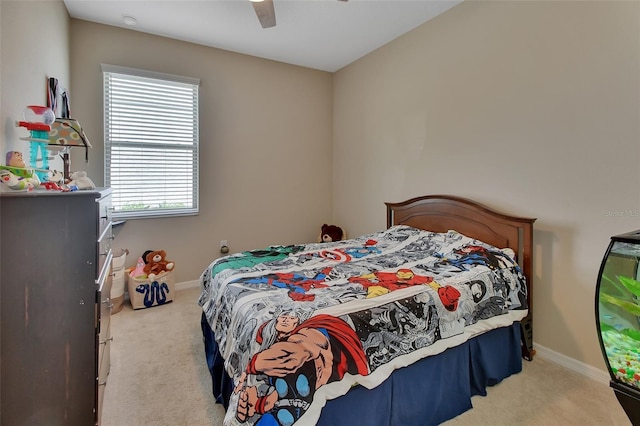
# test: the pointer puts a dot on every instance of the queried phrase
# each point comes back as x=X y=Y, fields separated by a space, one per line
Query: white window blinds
x=151 y=142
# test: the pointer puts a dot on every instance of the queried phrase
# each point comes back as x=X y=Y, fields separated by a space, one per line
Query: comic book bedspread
x=300 y=324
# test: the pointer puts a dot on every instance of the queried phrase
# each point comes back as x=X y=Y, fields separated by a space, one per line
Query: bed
x=401 y=326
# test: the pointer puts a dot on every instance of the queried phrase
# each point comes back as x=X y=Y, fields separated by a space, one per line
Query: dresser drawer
x=104 y=212
x=104 y=247
x=103 y=371
x=104 y=351
x=103 y=285
x=104 y=328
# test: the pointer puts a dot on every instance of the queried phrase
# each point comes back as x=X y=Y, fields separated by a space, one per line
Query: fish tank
x=618 y=319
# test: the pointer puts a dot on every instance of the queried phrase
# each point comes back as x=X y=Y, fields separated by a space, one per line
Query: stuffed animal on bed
x=329 y=233
x=156 y=263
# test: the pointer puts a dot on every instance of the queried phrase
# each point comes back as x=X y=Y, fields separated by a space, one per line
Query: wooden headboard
x=441 y=213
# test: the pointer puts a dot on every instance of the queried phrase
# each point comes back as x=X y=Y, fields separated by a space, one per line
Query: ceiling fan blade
x=266 y=13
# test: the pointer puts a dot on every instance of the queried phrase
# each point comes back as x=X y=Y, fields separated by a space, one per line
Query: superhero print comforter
x=301 y=324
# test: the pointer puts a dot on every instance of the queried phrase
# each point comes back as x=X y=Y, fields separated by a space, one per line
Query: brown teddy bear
x=329 y=233
x=156 y=263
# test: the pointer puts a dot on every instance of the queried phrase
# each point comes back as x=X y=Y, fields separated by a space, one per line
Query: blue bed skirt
x=428 y=392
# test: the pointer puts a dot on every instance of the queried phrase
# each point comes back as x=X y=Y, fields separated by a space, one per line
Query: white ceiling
x=321 y=34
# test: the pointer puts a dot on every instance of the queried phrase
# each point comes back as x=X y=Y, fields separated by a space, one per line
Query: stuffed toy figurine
x=156 y=263
x=329 y=233
x=15 y=175
x=15 y=159
x=138 y=271
x=14 y=182
x=80 y=180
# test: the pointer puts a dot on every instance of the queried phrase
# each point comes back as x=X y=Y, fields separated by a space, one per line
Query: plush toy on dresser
x=16 y=175
x=15 y=159
x=80 y=180
x=329 y=233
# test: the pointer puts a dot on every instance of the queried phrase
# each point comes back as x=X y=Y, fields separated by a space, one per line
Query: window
x=151 y=142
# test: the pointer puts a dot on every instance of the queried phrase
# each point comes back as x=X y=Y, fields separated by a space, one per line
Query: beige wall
x=265 y=144
x=529 y=107
x=34 y=40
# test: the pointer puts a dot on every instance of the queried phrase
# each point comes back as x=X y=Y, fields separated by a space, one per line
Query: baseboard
x=572 y=364
x=187 y=284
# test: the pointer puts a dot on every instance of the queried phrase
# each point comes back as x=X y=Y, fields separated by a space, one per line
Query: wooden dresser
x=55 y=284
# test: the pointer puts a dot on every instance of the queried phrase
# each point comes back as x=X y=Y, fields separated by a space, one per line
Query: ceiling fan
x=266 y=13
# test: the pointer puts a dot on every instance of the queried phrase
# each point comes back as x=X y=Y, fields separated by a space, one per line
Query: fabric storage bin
x=148 y=292
x=118 y=284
